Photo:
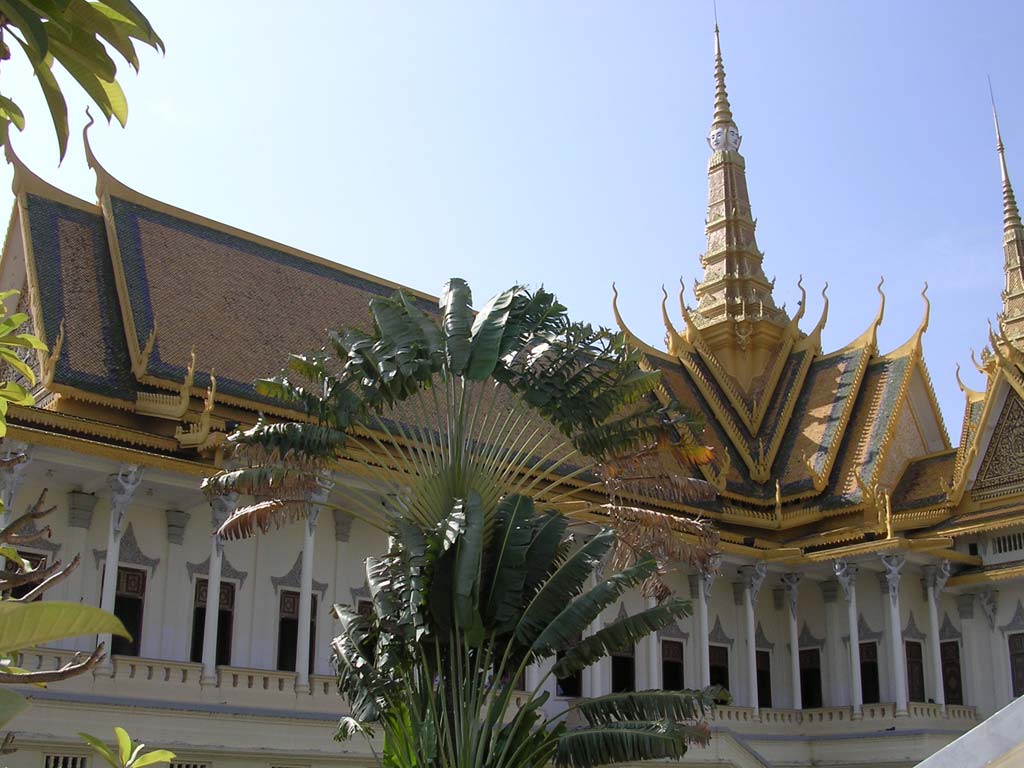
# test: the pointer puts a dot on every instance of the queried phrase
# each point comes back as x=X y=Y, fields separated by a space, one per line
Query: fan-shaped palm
x=460 y=427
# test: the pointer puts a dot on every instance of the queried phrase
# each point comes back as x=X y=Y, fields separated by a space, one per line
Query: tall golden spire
x=735 y=308
x=1011 y=319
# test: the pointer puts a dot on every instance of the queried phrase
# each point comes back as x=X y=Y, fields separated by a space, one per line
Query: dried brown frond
x=246 y=520
x=51 y=579
x=660 y=471
x=671 y=539
x=14 y=580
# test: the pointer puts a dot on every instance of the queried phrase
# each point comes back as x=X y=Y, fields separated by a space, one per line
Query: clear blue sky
x=563 y=143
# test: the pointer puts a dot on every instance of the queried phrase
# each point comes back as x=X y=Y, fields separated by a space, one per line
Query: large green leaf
x=11 y=704
x=457 y=318
x=155 y=757
x=574 y=619
x=623 y=633
x=468 y=565
x=23 y=625
x=550 y=531
x=625 y=742
x=28 y=23
x=54 y=97
x=648 y=705
x=562 y=586
x=515 y=529
x=487 y=333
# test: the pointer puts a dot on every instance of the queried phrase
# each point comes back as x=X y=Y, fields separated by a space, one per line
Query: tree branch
x=52 y=581
x=34 y=513
x=11 y=580
x=71 y=669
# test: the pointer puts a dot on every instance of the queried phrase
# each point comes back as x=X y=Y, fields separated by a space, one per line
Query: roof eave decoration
x=869 y=338
x=168 y=406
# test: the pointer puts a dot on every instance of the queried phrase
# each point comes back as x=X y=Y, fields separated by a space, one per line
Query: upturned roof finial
x=1011 y=214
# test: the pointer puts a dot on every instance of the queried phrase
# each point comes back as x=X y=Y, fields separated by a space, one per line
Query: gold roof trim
x=987 y=577
x=633 y=338
x=869 y=338
x=168 y=406
x=56 y=420
x=913 y=344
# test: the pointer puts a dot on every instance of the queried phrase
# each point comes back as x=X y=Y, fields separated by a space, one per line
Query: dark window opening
x=915 y=670
x=952 y=682
x=1017 y=663
x=288 y=631
x=810 y=678
x=869 y=680
x=129 y=603
x=36 y=561
x=672 y=665
x=718 y=665
x=225 y=622
x=623 y=671
x=570 y=687
x=764 y=679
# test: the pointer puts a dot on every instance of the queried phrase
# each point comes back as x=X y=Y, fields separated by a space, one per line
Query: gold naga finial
x=140 y=366
x=692 y=332
x=1011 y=214
x=674 y=339
x=632 y=337
x=196 y=435
x=49 y=366
x=888 y=514
x=959 y=381
x=881 y=305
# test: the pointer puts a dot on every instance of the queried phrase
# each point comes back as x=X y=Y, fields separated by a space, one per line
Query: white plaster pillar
x=80 y=512
x=700 y=587
x=834 y=691
x=122 y=487
x=791 y=581
x=894 y=629
x=15 y=455
x=174 y=627
x=935 y=578
x=752 y=577
x=221 y=508
x=976 y=658
x=317 y=498
x=653 y=653
x=846 y=575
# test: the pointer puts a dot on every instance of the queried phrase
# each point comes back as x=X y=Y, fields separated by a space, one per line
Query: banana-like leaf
x=550 y=532
x=504 y=600
x=574 y=619
x=561 y=587
x=625 y=632
x=456 y=302
x=23 y=625
x=487 y=333
x=648 y=705
x=468 y=567
x=625 y=742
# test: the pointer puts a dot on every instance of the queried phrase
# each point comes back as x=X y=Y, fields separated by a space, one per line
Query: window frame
x=236 y=585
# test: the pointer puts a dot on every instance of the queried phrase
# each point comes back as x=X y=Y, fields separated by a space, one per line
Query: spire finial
x=1011 y=214
x=724 y=133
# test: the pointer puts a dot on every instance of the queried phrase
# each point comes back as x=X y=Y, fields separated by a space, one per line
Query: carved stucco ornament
x=293 y=579
x=227 y=571
x=130 y=553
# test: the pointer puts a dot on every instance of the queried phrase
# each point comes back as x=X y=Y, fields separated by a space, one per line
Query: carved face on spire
x=724 y=138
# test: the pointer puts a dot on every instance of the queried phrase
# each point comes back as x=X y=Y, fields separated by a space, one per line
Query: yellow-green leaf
x=124 y=744
x=153 y=758
x=23 y=625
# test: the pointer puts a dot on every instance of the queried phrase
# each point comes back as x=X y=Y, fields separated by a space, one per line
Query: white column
x=935 y=578
x=700 y=586
x=846 y=574
x=122 y=487
x=318 y=498
x=834 y=693
x=15 y=456
x=653 y=643
x=792 y=583
x=893 y=564
x=174 y=632
x=221 y=508
x=752 y=577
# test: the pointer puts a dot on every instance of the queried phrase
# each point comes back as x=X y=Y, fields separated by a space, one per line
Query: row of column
x=749 y=586
x=123 y=486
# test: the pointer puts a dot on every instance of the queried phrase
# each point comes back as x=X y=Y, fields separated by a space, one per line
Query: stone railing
x=141 y=679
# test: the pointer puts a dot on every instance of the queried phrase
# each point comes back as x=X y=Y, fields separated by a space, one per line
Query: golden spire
x=1011 y=214
x=723 y=112
x=1011 y=319
x=735 y=307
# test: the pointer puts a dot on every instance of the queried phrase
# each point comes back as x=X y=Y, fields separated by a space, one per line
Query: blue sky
x=563 y=143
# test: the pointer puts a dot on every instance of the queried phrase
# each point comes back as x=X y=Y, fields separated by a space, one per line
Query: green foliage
x=127 y=755
x=77 y=35
x=12 y=339
x=24 y=625
x=477 y=430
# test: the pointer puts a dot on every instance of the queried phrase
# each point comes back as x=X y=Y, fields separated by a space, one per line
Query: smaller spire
x=1011 y=214
x=723 y=112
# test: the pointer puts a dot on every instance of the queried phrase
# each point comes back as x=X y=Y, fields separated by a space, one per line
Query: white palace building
x=868 y=604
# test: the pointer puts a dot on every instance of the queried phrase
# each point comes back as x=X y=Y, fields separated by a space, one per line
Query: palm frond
x=624 y=742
